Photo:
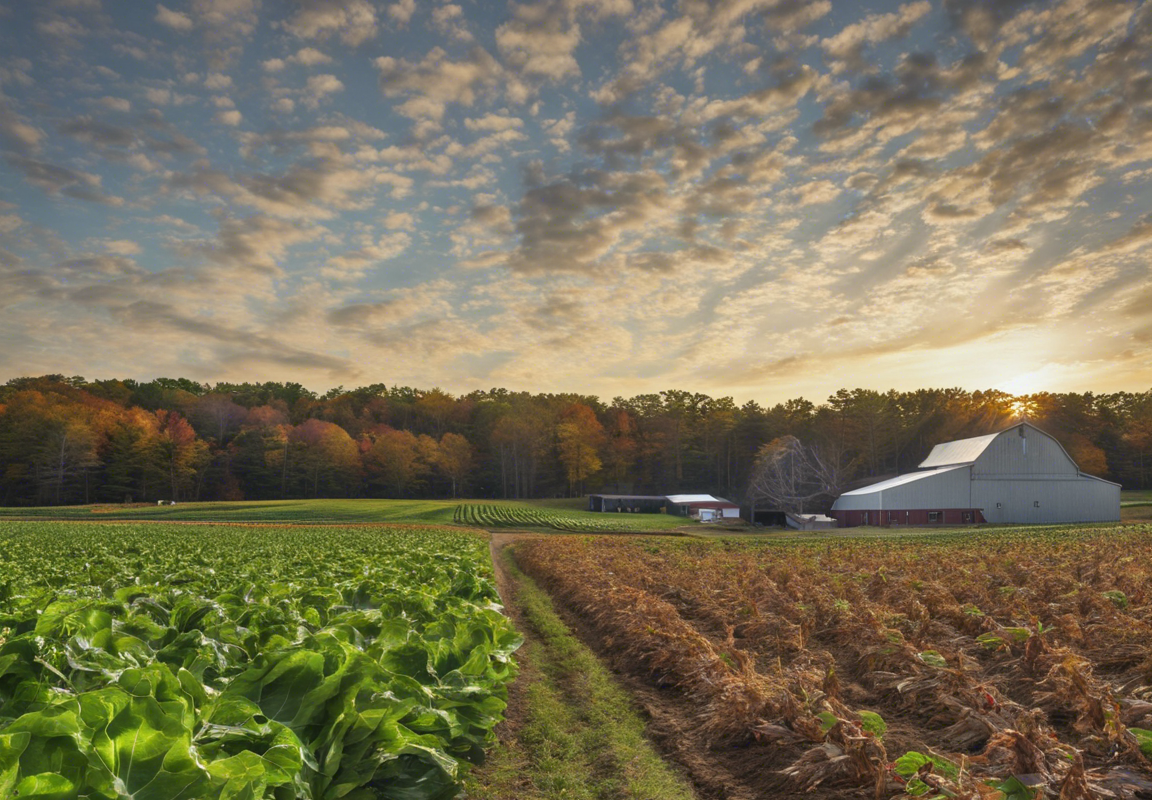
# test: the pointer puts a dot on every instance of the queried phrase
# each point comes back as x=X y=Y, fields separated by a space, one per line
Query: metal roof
x=685 y=499
x=629 y=496
x=961 y=451
x=911 y=477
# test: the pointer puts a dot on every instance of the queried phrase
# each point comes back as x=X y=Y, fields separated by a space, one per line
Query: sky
x=757 y=198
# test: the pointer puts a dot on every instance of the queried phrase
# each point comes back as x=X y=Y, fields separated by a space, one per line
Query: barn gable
x=1023 y=450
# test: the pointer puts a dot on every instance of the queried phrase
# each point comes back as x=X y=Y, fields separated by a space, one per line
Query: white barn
x=1019 y=475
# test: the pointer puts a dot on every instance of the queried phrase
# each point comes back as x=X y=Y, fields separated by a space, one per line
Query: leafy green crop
x=171 y=662
x=507 y=515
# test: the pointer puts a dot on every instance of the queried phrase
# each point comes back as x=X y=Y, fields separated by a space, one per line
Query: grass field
x=1136 y=497
x=1002 y=663
x=557 y=514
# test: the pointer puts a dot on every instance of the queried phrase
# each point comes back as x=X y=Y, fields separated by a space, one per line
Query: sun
x=1020 y=409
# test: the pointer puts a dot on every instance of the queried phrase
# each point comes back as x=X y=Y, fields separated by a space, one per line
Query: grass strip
x=581 y=737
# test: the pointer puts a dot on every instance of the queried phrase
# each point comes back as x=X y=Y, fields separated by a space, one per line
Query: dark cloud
x=55 y=179
x=96 y=132
x=361 y=315
x=148 y=316
x=789 y=16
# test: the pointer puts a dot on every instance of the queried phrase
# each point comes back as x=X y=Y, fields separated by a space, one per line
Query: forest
x=66 y=440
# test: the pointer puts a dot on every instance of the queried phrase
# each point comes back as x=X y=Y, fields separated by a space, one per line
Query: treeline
x=68 y=440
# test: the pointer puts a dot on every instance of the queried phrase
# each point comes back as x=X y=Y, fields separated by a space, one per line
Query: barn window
x=933 y=516
x=1035 y=503
x=967 y=516
x=999 y=505
x=891 y=518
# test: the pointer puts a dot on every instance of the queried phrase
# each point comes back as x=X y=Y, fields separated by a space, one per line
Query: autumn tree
x=393 y=460
x=178 y=453
x=454 y=458
x=216 y=416
x=579 y=437
x=620 y=445
x=327 y=456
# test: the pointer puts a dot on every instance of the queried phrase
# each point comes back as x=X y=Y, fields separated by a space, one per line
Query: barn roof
x=961 y=451
x=911 y=477
x=685 y=499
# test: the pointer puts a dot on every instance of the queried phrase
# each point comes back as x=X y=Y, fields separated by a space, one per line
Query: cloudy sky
x=763 y=198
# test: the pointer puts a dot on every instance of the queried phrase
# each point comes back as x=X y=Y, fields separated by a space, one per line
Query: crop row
x=171 y=662
x=1016 y=668
x=495 y=515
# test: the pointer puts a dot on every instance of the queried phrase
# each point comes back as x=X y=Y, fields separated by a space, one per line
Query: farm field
x=557 y=514
x=170 y=662
x=1012 y=663
x=521 y=515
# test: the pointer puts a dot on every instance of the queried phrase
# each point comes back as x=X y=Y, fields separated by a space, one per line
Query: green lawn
x=561 y=514
x=1136 y=497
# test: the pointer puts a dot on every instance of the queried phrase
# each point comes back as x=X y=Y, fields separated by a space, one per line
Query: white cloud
x=354 y=21
x=319 y=86
x=402 y=11
x=232 y=118
x=355 y=263
x=18 y=134
x=122 y=247
x=400 y=221
x=493 y=122
x=449 y=20
x=540 y=41
x=847 y=44
x=227 y=18
x=116 y=103
x=175 y=20
x=310 y=57
x=158 y=96
x=217 y=81
x=436 y=81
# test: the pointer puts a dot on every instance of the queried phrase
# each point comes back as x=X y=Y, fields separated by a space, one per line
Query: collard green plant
x=167 y=662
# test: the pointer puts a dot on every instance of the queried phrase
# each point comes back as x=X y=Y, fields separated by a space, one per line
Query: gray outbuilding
x=1019 y=475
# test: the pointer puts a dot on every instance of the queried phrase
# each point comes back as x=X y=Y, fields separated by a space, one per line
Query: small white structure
x=810 y=522
x=697 y=505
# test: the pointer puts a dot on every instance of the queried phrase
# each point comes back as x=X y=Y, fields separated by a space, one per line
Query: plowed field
x=1000 y=665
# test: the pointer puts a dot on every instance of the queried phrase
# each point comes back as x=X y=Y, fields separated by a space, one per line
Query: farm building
x=810 y=522
x=641 y=503
x=704 y=506
x=1019 y=475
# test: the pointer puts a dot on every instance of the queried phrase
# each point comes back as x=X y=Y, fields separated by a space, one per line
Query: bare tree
x=788 y=474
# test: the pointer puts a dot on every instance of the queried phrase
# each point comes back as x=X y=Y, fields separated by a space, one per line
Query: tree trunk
x=284 y=474
x=60 y=468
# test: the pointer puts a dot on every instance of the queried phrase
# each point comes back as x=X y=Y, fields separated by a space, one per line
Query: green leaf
x=911 y=762
x=932 y=659
x=1144 y=738
x=1118 y=598
x=45 y=786
x=828 y=721
x=12 y=745
x=1014 y=789
x=873 y=723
